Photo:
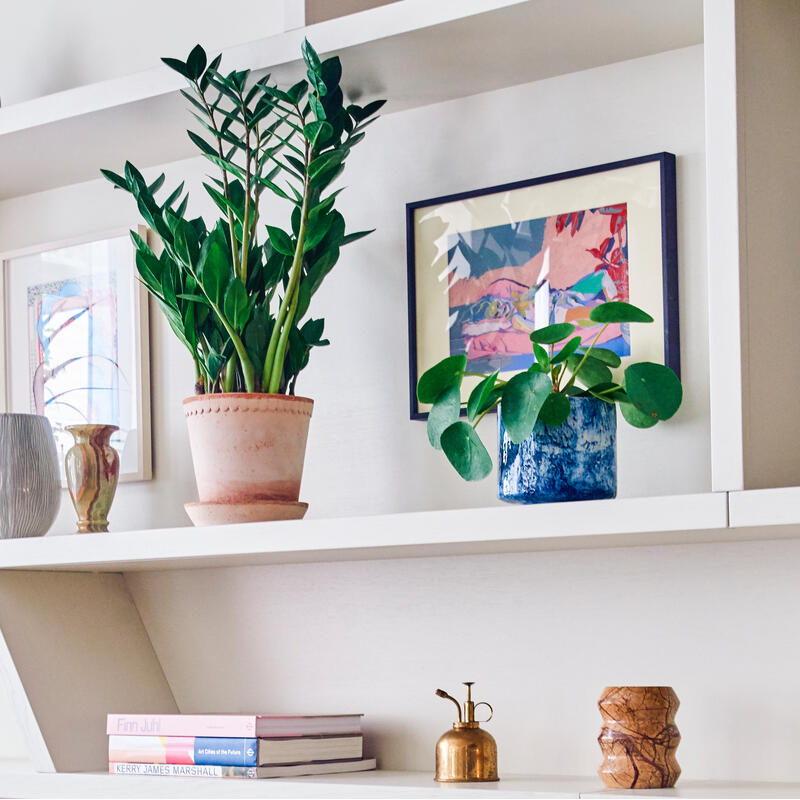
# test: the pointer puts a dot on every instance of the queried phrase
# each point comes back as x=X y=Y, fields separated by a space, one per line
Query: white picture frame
x=23 y=273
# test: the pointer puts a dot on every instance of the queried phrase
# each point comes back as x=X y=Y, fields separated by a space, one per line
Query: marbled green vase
x=92 y=466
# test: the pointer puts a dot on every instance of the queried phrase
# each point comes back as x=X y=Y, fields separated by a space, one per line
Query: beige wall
x=319 y=10
x=768 y=75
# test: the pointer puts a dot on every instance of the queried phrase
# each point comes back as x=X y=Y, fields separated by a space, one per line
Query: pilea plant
x=564 y=368
x=238 y=304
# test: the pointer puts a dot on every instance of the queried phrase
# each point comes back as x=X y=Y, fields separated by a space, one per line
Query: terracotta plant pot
x=248 y=452
x=639 y=737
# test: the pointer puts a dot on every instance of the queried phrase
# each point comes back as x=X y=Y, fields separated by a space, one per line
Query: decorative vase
x=639 y=737
x=248 y=452
x=29 y=476
x=92 y=466
x=576 y=460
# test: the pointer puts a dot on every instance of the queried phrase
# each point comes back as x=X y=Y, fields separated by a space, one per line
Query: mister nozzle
x=443 y=693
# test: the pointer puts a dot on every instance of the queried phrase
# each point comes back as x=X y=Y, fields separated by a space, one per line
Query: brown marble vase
x=639 y=737
x=92 y=467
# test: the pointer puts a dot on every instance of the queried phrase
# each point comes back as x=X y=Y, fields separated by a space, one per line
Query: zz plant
x=564 y=368
x=239 y=302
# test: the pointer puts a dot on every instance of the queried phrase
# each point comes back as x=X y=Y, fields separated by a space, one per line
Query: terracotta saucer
x=227 y=513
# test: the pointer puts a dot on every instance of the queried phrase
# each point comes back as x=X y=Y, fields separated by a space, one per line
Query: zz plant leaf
x=224 y=287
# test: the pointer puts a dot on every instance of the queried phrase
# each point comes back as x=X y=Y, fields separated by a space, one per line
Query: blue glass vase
x=576 y=460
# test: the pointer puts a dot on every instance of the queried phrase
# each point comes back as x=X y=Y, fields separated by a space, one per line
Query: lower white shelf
x=377 y=784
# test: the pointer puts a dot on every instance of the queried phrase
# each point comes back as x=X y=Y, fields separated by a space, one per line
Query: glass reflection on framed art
x=76 y=342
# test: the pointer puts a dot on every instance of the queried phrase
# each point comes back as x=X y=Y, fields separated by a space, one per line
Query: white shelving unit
x=67 y=595
x=377 y=784
x=391 y=51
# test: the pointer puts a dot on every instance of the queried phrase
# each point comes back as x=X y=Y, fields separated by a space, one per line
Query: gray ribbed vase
x=30 y=486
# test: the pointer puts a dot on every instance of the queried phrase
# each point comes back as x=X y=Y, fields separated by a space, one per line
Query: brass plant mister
x=466 y=753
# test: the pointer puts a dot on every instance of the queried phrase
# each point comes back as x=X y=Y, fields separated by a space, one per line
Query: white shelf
x=376 y=784
x=470 y=46
x=769 y=507
x=704 y=790
x=598 y=523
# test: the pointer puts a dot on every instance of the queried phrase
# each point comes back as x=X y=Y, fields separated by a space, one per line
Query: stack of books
x=234 y=745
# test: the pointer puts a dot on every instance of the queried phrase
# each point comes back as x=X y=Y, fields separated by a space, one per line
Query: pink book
x=234 y=725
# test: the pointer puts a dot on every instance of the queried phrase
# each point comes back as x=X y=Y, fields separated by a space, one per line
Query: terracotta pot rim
x=195 y=398
x=242 y=503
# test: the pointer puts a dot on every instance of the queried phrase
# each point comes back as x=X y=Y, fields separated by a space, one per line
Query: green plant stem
x=276 y=351
x=199 y=381
x=285 y=320
x=248 y=372
x=226 y=191
x=610 y=389
x=555 y=375
x=248 y=186
x=571 y=381
x=484 y=413
x=230 y=374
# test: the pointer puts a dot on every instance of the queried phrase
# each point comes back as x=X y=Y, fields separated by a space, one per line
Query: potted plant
x=557 y=420
x=238 y=299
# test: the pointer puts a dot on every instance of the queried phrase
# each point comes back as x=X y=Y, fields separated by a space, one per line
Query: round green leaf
x=609 y=391
x=591 y=371
x=606 y=356
x=443 y=414
x=523 y=397
x=635 y=417
x=555 y=409
x=618 y=311
x=482 y=396
x=448 y=372
x=552 y=333
x=465 y=451
x=654 y=389
x=567 y=350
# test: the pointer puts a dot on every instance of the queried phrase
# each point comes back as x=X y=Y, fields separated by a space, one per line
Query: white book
x=207 y=771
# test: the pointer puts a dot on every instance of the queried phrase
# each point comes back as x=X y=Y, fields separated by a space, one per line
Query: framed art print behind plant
x=76 y=344
x=489 y=266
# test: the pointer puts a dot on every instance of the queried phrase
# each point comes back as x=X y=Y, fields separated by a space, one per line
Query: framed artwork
x=489 y=266
x=76 y=344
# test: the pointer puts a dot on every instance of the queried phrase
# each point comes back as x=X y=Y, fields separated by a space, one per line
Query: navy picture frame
x=669 y=253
